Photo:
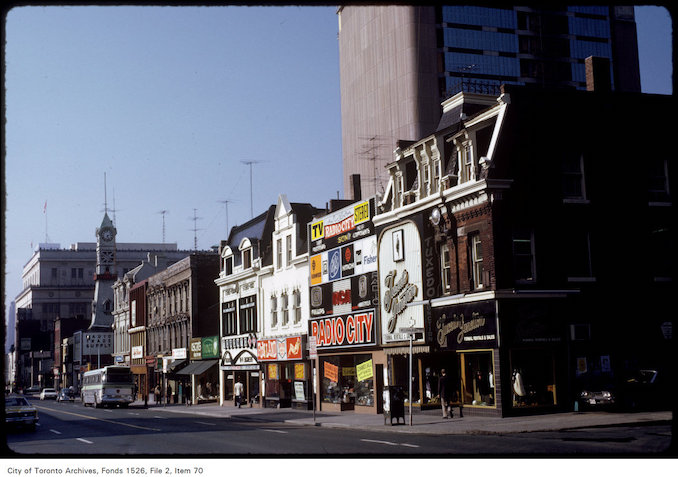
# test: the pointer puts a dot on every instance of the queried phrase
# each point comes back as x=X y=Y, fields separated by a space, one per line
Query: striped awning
x=406 y=350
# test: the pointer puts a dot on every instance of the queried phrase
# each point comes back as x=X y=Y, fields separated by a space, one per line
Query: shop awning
x=176 y=364
x=198 y=367
x=406 y=350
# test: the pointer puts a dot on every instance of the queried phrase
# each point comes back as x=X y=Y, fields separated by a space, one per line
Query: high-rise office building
x=398 y=63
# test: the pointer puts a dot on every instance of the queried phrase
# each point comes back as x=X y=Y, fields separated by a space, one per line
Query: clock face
x=107 y=235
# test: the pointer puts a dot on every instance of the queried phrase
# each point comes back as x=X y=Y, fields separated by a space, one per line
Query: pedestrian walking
x=168 y=396
x=156 y=394
x=238 y=390
x=444 y=391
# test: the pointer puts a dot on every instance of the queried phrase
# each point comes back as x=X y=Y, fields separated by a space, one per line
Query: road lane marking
x=205 y=423
x=54 y=431
x=84 y=440
x=275 y=430
x=99 y=419
x=380 y=442
x=389 y=443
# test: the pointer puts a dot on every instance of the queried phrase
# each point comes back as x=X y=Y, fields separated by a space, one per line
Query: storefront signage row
x=343 y=226
x=345 y=296
x=466 y=326
x=204 y=348
x=280 y=349
x=357 y=329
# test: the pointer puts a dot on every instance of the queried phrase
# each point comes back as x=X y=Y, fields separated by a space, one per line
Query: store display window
x=287 y=381
x=478 y=378
x=347 y=380
x=533 y=380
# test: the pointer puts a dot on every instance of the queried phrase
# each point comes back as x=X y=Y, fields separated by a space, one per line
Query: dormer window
x=227 y=261
x=466 y=161
x=246 y=254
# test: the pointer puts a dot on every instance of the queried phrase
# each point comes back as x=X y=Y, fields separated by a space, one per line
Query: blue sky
x=169 y=102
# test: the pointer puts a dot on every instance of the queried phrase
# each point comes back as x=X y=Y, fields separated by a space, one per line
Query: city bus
x=107 y=386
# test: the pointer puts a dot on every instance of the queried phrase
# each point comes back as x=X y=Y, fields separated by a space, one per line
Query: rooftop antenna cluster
x=163 y=213
x=195 y=228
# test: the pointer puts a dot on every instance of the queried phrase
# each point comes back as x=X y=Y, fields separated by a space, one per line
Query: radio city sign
x=342 y=331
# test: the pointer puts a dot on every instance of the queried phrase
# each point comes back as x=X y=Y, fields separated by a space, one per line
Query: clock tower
x=104 y=276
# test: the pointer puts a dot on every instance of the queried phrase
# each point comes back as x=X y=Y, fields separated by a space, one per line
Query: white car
x=48 y=393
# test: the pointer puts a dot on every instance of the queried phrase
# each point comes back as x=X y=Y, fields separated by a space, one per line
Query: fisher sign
x=343 y=331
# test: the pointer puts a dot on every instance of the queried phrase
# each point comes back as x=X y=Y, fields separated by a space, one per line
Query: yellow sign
x=365 y=370
x=361 y=213
x=317 y=230
x=346 y=371
x=272 y=371
x=316 y=269
x=299 y=371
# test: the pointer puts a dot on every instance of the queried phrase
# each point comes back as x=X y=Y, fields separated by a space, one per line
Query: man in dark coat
x=445 y=393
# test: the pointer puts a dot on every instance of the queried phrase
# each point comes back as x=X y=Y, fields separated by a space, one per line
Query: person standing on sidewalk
x=187 y=394
x=444 y=391
x=238 y=390
x=156 y=394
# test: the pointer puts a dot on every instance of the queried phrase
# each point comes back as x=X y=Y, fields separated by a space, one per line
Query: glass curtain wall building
x=398 y=63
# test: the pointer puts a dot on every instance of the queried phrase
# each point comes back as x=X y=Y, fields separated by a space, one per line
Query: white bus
x=111 y=385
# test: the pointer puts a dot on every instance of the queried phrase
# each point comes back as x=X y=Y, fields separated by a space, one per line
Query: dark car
x=641 y=389
x=66 y=395
x=35 y=389
x=19 y=412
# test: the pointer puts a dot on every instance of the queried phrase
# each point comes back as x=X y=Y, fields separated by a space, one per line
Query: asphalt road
x=69 y=429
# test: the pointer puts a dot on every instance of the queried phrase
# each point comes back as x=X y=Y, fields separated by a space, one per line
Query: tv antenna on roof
x=163 y=212
x=226 y=202
x=195 y=229
x=249 y=163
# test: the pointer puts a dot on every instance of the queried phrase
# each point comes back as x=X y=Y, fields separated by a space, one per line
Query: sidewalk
x=422 y=422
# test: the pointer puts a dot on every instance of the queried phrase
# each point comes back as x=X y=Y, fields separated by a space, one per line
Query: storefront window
x=478 y=378
x=533 y=378
x=347 y=380
x=287 y=381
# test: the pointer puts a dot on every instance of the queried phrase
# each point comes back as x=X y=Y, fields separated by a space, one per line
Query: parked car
x=48 y=393
x=66 y=395
x=19 y=412
x=640 y=389
x=35 y=389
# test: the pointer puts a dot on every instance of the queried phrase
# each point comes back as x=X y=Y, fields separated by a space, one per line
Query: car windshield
x=16 y=401
x=50 y=390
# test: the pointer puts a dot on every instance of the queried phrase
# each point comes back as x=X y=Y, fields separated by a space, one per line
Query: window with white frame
x=466 y=163
x=476 y=261
x=279 y=254
x=436 y=176
x=285 y=309
x=523 y=255
x=446 y=268
x=247 y=258
x=297 y=306
x=274 y=311
x=426 y=179
x=288 y=248
x=573 y=176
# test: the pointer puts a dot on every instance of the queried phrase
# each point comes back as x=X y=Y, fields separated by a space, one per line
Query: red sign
x=280 y=349
x=345 y=330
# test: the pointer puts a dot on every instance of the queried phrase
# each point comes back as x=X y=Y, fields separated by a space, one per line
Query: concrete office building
x=399 y=63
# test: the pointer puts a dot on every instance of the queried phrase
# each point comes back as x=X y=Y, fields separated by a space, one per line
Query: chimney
x=355 y=185
x=598 y=74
